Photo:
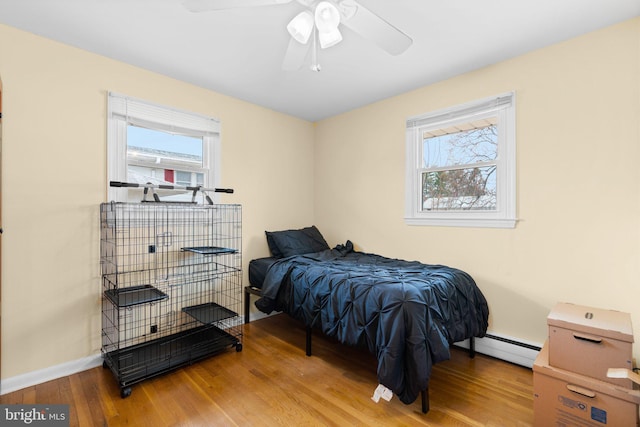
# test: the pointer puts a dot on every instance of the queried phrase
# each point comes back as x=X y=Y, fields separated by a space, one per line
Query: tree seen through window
x=459 y=168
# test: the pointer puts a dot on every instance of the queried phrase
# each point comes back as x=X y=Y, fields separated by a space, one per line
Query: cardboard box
x=589 y=341
x=563 y=398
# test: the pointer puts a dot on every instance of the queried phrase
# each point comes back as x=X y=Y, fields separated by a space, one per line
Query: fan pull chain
x=315 y=66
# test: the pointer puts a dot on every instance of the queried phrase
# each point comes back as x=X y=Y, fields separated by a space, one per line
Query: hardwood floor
x=272 y=383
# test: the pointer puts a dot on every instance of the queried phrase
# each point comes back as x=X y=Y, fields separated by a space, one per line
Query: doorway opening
x=0 y=231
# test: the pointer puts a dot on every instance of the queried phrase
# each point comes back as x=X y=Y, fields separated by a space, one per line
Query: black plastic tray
x=210 y=250
x=134 y=295
x=209 y=313
x=133 y=364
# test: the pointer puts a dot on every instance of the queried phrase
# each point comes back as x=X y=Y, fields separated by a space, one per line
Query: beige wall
x=578 y=139
x=578 y=182
x=54 y=178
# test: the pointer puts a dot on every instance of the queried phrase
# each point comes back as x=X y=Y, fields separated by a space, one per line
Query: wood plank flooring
x=272 y=383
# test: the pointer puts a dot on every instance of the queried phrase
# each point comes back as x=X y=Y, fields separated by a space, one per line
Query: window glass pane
x=142 y=174
x=160 y=153
x=189 y=179
x=459 y=147
x=183 y=178
x=460 y=189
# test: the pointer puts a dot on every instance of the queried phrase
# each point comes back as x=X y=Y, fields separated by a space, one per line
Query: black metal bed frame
x=424 y=394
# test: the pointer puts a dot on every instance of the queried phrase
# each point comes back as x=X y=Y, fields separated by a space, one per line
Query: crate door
x=163 y=244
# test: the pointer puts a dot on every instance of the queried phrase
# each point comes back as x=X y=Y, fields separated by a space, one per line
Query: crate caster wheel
x=239 y=347
x=125 y=392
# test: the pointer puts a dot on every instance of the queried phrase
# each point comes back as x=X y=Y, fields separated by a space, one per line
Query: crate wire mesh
x=172 y=285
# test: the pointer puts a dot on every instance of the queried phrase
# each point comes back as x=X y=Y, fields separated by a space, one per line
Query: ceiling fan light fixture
x=327 y=17
x=301 y=27
x=329 y=38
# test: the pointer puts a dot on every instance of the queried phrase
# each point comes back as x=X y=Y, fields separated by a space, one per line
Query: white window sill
x=462 y=222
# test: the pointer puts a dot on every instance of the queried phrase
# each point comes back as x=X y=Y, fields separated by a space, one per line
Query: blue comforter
x=405 y=312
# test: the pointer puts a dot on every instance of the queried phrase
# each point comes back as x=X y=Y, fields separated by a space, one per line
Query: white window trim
x=502 y=107
x=123 y=110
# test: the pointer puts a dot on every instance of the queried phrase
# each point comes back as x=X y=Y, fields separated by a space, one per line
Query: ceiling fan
x=319 y=24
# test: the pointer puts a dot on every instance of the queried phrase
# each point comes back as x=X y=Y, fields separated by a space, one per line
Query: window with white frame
x=461 y=165
x=149 y=143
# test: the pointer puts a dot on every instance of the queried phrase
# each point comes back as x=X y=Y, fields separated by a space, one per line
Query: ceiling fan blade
x=369 y=25
x=205 y=5
x=295 y=55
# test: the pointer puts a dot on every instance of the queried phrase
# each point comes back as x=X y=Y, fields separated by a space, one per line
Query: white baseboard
x=510 y=349
x=259 y=315
x=499 y=346
x=43 y=375
x=506 y=348
x=69 y=368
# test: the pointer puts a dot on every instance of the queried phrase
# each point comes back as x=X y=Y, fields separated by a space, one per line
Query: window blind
x=465 y=110
x=145 y=114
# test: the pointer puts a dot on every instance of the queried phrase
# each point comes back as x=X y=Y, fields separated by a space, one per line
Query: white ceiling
x=239 y=52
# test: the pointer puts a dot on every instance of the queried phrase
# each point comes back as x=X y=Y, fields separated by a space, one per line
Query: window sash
x=461 y=200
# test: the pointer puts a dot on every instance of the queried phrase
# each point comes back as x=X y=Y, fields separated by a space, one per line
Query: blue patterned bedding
x=405 y=312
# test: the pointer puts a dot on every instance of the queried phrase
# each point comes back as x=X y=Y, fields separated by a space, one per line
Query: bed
x=404 y=312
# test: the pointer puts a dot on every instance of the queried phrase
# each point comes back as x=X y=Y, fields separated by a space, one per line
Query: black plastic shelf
x=210 y=250
x=136 y=363
x=209 y=313
x=134 y=295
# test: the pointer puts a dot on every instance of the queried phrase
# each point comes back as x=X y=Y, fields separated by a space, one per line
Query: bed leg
x=247 y=301
x=472 y=347
x=425 y=400
x=308 y=349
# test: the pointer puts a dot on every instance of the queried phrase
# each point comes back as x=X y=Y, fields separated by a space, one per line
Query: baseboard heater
x=505 y=348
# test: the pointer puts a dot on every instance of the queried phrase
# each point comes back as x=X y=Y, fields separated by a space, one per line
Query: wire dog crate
x=171 y=286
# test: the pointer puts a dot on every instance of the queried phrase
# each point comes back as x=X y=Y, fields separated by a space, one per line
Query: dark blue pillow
x=295 y=242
